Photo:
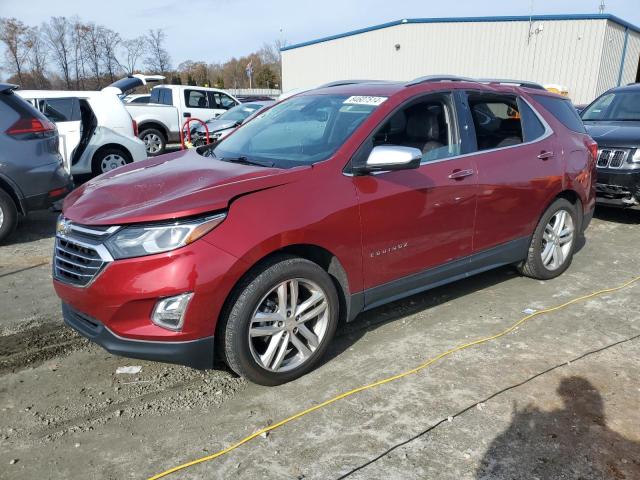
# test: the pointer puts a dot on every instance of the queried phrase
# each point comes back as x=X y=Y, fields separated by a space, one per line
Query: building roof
x=516 y=18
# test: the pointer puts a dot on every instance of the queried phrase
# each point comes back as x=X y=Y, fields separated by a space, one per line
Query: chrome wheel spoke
x=547 y=254
x=293 y=295
x=311 y=337
x=313 y=313
x=558 y=256
x=282 y=351
x=300 y=346
x=267 y=356
x=264 y=331
x=308 y=303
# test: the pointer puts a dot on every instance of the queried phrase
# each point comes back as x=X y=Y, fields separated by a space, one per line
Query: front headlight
x=636 y=156
x=140 y=240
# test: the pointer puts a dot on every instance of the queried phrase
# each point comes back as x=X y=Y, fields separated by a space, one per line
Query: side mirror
x=386 y=158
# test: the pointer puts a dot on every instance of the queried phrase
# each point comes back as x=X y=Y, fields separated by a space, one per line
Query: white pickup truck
x=160 y=120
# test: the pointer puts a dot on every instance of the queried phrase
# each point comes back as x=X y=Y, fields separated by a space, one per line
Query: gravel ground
x=558 y=398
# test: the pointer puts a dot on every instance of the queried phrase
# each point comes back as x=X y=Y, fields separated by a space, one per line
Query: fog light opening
x=169 y=312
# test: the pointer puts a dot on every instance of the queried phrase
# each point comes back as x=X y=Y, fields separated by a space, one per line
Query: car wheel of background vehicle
x=280 y=321
x=109 y=159
x=154 y=141
x=8 y=215
x=553 y=242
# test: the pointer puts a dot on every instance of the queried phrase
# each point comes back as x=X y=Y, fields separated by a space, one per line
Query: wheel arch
x=13 y=192
x=314 y=253
x=155 y=125
x=112 y=146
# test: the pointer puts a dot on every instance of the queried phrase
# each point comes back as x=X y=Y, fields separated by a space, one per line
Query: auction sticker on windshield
x=365 y=100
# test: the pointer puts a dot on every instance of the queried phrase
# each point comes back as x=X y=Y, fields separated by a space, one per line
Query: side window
x=196 y=99
x=427 y=125
x=223 y=101
x=496 y=119
x=60 y=109
x=532 y=127
x=167 y=96
x=563 y=110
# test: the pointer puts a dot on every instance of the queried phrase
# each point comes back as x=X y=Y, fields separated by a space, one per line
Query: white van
x=97 y=134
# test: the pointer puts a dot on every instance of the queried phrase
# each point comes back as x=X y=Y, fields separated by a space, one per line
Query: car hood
x=170 y=186
x=615 y=134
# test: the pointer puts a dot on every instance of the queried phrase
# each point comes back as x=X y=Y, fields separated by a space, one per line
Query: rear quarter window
x=563 y=110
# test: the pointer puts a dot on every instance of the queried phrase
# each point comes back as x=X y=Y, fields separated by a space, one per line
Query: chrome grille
x=79 y=254
x=75 y=263
x=612 y=158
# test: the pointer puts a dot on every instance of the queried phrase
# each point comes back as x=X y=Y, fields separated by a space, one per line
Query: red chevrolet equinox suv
x=331 y=202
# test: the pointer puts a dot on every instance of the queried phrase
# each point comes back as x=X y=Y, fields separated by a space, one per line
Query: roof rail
x=518 y=83
x=438 y=78
x=340 y=83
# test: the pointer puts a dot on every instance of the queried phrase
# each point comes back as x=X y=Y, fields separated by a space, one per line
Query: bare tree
x=109 y=41
x=93 y=51
x=37 y=57
x=158 y=59
x=133 y=50
x=79 y=32
x=13 y=34
x=58 y=33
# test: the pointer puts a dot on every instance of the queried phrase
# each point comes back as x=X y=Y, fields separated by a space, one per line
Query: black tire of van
x=9 y=215
x=148 y=134
x=100 y=155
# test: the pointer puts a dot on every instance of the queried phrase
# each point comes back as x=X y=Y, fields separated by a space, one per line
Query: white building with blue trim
x=586 y=53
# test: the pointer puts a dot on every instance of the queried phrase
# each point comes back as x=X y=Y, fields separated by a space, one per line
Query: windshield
x=618 y=106
x=300 y=130
x=239 y=113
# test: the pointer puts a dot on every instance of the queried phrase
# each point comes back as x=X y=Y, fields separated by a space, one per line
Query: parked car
x=97 y=133
x=613 y=120
x=137 y=98
x=254 y=98
x=32 y=176
x=227 y=122
x=334 y=201
x=160 y=121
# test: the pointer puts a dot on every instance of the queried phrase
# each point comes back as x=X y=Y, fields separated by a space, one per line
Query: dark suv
x=31 y=173
x=329 y=203
x=613 y=120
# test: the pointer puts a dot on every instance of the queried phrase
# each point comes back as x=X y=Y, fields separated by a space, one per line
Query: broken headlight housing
x=141 y=240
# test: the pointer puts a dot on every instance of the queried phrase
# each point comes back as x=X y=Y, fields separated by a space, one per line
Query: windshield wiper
x=247 y=161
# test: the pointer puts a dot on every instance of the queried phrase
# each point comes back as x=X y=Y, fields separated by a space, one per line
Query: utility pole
x=601 y=7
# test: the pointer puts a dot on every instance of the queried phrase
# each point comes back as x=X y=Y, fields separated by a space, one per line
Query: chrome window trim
x=548 y=131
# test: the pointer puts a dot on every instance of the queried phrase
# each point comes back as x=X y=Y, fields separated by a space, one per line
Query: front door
x=417 y=220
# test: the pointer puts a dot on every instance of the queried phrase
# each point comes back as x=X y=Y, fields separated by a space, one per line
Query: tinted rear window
x=563 y=110
x=162 y=96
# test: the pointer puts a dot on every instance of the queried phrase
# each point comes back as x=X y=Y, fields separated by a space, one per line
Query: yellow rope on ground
x=389 y=379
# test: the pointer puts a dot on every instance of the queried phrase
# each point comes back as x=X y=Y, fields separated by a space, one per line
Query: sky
x=216 y=30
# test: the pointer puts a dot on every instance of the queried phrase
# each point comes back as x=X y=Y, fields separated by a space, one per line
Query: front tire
x=8 y=215
x=553 y=242
x=280 y=321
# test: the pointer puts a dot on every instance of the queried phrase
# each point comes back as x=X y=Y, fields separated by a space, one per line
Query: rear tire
x=109 y=159
x=553 y=242
x=265 y=337
x=154 y=140
x=8 y=215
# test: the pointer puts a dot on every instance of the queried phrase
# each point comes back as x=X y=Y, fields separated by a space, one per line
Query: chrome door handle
x=460 y=174
x=546 y=155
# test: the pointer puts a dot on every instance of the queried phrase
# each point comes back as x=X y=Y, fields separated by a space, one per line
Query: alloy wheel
x=111 y=162
x=288 y=325
x=152 y=142
x=557 y=240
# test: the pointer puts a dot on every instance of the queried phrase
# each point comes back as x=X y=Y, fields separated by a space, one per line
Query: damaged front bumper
x=618 y=188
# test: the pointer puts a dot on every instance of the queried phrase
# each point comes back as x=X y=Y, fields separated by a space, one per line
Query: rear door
x=65 y=113
x=517 y=159
x=415 y=220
